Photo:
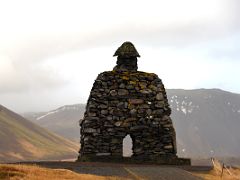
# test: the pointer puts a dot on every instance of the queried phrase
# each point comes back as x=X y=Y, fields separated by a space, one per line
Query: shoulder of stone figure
x=136 y=73
x=109 y=75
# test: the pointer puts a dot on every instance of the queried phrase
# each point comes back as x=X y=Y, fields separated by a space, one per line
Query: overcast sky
x=52 y=50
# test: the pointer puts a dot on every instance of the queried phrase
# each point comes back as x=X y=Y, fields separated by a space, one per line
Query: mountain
x=63 y=121
x=22 y=140
x=206 y=121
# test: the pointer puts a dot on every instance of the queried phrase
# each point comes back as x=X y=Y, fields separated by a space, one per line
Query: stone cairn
x=123 y=102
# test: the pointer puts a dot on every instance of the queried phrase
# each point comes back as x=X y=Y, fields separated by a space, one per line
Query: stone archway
x=127 y=146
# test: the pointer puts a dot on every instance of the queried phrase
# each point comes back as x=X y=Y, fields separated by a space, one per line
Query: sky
x=51 y=51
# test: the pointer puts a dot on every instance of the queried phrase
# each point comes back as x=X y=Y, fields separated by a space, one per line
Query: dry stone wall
x=127 y=102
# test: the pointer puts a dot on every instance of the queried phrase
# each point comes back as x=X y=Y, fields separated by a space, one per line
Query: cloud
x=28 y=54
x=17 y=77
x=153 y=22
x=41 y=30
x=37 y=47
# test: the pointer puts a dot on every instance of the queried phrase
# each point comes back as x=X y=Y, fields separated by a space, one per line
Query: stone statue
x=124 y=102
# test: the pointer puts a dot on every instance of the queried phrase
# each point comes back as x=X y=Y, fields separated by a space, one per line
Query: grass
x=34 y=172
x=216 y=173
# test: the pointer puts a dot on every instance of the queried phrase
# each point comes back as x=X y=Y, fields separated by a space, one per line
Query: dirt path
x=128 y=171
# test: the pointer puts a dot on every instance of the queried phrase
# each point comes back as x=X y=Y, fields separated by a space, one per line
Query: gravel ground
x=126 y=171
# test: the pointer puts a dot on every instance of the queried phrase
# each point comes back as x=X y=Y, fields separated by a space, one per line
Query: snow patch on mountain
x=63 y=108
x=49 y=113
x=185 y=105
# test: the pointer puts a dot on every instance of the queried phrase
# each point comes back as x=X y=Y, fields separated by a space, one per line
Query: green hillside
x=21 y=140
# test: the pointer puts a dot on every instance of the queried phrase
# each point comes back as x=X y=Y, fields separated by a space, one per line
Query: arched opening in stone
x=127 y=146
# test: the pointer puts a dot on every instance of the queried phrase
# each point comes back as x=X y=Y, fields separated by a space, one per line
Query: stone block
x=123 y=92
x=135 y=101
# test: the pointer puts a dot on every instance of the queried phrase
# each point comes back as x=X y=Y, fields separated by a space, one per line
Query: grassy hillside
x=28 y=172
x=219 y=173
x=21 y=140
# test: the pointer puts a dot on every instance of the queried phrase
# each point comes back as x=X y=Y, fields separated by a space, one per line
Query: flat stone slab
x=158 y=160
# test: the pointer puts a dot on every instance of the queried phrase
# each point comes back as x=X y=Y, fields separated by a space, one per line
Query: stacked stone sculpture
x=124 y=102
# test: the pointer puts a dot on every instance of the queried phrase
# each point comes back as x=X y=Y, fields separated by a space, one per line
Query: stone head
x=126 y=50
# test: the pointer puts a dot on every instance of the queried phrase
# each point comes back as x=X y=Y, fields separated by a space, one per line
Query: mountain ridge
x=206 y=121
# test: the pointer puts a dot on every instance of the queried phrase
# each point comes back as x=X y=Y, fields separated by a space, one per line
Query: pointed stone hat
x=127 y=50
